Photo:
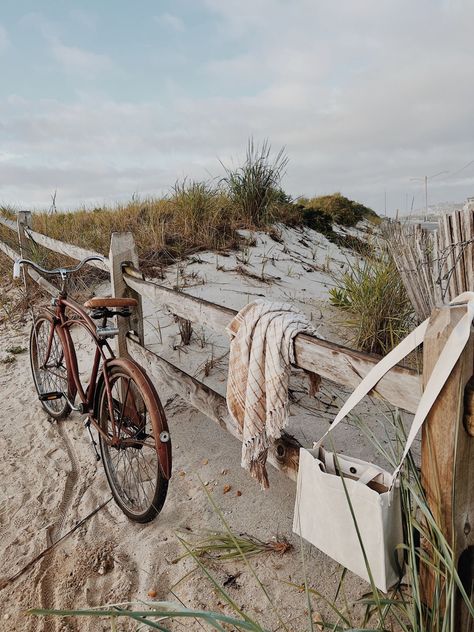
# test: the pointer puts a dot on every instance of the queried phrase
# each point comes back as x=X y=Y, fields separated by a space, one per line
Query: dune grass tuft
x=374 y=300
x=255 y=187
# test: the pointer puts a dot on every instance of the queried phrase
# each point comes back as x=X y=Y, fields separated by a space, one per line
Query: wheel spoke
x=131 y=462
x=49 y=370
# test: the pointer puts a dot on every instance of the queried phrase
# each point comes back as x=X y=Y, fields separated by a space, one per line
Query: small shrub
x=317 y=220
x=340 y=209
x=372 y=294
x=255 y=186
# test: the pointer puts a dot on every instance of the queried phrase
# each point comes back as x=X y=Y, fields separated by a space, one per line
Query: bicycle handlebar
x=62 y=272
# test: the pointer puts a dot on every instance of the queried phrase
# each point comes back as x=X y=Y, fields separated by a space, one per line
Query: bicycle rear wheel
x=137 y=458
x=48 y=366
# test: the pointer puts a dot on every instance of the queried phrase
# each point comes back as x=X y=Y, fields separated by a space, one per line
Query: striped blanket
x=261 y=353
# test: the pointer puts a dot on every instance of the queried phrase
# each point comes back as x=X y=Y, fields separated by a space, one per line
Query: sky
x=104 y=100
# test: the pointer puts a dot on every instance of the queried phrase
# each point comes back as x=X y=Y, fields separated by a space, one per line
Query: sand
x=51 y=481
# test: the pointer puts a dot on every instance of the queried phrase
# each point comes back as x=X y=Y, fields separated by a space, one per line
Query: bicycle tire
x=139 y=466
x=52 y=378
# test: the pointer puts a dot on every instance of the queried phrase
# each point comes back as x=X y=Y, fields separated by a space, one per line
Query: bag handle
x=442 y=370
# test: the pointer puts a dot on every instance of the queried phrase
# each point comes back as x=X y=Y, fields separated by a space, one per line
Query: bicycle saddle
x=100 y=301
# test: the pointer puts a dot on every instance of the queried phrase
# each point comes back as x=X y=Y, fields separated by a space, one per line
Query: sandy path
x=50 y=480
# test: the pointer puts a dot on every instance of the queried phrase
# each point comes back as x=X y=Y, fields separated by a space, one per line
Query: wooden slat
x=283 y=456
x=436 y=270
x=8 y=223
x=448 y=252
x=401 y=387
x=70 y=250
x=9 y=252
x=468 y=230
x=458 y=239
x=422 y=243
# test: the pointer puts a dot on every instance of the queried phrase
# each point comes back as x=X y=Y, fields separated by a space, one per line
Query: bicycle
x=120 y=401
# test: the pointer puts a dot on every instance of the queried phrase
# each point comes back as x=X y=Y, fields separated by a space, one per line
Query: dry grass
x=195 y=218
x=165 y=229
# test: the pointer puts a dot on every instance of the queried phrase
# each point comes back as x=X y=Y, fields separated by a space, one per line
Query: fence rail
x=70 y=250
x=447 y=443
x=401 y=387
x=8 y=223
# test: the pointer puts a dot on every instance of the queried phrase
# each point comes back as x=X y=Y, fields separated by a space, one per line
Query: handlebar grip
x=16 y=270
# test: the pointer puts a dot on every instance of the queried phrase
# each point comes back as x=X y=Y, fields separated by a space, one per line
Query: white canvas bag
x=322 y=511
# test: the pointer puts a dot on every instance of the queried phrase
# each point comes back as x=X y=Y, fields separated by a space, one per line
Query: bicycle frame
x=88 y=397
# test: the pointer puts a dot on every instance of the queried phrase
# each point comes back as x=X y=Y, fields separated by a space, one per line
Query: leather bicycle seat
x=100 y=301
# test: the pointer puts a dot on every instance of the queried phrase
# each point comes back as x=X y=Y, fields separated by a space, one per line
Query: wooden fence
x=447 y=444
x=435 y=266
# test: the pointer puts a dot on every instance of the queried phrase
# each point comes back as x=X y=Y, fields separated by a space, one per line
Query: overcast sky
x=102 y=100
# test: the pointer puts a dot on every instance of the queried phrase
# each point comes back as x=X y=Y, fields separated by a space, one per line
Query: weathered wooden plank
x=458 y=239
x=284 y=455
x=70 y=250
x=196 y=310
x=468 y=230
x=448 y=251
x=436 y=270
x=423 y=249
x=5 y=248
x=401 y=387
x=447 y=460
x=8 y=223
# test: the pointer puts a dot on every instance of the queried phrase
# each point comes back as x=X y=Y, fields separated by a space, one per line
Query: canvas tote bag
x=322 y=510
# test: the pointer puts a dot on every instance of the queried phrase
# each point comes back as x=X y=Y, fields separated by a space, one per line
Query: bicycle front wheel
x=136 y=449
x=48 y=366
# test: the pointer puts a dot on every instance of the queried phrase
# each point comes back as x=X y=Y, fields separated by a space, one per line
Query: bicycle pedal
x=47 y=397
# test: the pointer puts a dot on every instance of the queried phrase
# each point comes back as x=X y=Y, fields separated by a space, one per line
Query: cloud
x=363 y=95
x=80 y=61
x=172 y=21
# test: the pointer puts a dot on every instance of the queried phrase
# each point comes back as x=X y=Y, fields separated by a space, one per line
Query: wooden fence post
x=123 y=250
x=447 y=459
x=24 y=221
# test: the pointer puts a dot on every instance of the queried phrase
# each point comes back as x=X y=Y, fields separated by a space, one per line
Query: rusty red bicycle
x=119 y=401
